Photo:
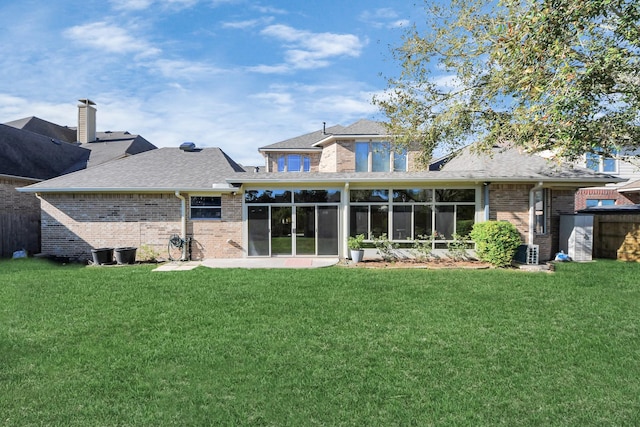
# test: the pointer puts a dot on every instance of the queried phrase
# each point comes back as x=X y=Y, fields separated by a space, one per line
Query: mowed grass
x=105 y=346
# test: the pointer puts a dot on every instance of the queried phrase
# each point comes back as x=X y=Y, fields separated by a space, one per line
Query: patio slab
x=270 y=262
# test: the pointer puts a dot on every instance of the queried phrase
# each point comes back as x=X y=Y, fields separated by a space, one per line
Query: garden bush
x=496 y=242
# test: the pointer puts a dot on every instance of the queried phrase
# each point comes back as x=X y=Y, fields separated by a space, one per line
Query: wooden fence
x=19 y=231
x=616 y=236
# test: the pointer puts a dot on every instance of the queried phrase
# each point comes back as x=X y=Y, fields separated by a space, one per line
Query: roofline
x=336 y=136
x=280 y=180
x=21 y=177
x=297 y=150
x=228 y=189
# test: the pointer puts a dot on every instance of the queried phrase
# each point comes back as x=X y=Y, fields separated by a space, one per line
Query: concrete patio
x=250 y=263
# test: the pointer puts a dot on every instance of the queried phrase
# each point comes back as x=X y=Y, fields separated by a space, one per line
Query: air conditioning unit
x=532 y=254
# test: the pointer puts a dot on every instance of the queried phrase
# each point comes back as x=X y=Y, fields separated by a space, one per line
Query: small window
x=205 y=207
x=600 y=163
x=281 y=160
x=600 y=202
x=540 y=211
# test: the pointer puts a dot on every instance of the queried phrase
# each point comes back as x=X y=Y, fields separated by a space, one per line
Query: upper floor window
x=206 y=207
x=294 y=163
x=600 y=163
x=379 y=157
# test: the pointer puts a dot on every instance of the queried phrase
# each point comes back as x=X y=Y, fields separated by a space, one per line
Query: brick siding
x=73 y=224
x=602 y=194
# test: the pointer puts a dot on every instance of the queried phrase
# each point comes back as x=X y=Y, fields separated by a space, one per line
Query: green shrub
x=496 y=242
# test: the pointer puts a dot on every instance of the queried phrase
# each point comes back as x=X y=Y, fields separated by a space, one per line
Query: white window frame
x=592 y=157
x=370 y=156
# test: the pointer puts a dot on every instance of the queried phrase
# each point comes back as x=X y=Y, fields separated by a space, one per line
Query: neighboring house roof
x=43 y=127
x=315 y=139
x=110 y=145
x=630 y=187
x=31 y=155
x=115 y=145
x=512 y=164
x=161 y=170
x=615 y=209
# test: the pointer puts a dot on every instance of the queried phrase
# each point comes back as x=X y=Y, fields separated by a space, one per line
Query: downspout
x=486 y=201
x=532 y=210
x=183 y=221
x=345 y=220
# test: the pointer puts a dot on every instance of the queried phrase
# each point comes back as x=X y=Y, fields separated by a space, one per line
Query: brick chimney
x=86 y=121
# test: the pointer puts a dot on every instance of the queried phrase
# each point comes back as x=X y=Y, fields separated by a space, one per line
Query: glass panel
x=305 y=230
x=328 y=230
x=607 y=202
x=258 y=230
x=306 y=164
x=281 y=243
x=369 y=195
x=413 y=195
x=540 y=209
x=293 y=163
x=465 y=216
x=267 y=196
x=206 y=201
x=362 y=157
x=609 y=164
x=359 y=221
x=422 y=219
x=592 y=202
x=379 y=220
x=281 y=164
x=316 y=196
x=206 y=213
x=400 y=161
x=445 y=216
x=455 y=195
x=380 y=156
x=593 y=161
x=402 y=222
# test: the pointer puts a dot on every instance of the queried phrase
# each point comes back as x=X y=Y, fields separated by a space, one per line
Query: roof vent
x=188 y=146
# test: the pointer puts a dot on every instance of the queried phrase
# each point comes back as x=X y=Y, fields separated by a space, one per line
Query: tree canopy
x=559 y=75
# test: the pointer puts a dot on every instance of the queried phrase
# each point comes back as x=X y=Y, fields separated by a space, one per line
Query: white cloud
x=110 y=38
x=305 y=49
x=133 y=5
x=385 y=17
x=249 y=23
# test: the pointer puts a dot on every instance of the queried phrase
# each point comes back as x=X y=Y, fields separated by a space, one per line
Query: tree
x=559 y=75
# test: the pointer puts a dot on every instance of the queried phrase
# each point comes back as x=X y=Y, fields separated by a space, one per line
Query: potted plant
x=355 y=246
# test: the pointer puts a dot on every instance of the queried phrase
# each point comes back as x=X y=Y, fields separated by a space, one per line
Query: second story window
x=600 y=163
x=379 y=157
x=294 y=163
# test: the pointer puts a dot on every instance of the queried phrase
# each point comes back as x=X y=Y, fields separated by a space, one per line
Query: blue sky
x=236 y=74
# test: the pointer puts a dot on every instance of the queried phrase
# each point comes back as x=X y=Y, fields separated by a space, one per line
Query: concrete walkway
x=250 y=263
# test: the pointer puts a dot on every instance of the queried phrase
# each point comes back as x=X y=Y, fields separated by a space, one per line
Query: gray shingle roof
x=31 y=155
x=511 y=164
x=307 y=141
x=43 y=127
x=115 y=145
x=163 y=169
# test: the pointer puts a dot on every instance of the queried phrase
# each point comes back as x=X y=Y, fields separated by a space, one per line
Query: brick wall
x=601 y=194
x=73 y=224
x=345 y=156
x=510 y=202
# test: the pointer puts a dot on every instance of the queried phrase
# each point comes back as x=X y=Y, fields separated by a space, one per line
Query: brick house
x=313 y=192
x=33 y=150
x=625 y=192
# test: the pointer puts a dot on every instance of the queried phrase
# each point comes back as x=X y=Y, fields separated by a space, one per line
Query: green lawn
x=106 y=346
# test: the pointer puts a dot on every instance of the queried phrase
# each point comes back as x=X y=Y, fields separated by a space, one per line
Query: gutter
x=229 y=189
